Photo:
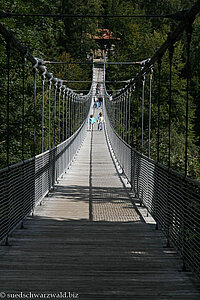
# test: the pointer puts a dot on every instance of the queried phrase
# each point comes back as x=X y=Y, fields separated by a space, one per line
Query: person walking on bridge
x=100 y=121
x=91 y=122
x=100 y=101
x=95 y=103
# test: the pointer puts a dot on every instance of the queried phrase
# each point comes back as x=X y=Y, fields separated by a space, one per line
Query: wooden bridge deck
x=87 y=238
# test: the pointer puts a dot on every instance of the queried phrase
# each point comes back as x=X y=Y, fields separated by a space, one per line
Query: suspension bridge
x=94 y=216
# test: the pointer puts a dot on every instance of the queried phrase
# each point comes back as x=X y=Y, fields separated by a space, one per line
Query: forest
x=68 y=39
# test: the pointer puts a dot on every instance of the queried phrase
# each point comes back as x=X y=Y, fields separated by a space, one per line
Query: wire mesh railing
x=24 y=185
x=63 y=127
x=171 y=198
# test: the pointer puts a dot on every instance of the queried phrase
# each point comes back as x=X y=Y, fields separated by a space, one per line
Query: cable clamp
x=43 y=74
x=36 y=64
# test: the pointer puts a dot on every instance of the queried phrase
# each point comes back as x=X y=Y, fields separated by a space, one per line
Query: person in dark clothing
x=100 y=101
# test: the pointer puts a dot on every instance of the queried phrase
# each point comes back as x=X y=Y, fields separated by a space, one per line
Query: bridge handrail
x=25 y=184
x=171 y=198
x=142 y=155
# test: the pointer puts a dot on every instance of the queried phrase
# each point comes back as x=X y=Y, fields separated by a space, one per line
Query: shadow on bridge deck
x=88 y=238
x=97 y=260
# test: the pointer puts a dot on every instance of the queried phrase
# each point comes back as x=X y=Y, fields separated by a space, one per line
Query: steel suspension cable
x=23 y=96
x=54 y=126
x=119 y=116
x=73 y=116
x=50 y=85
x=171 y=51
x=72 y=123
x=150 y=84
x=115 y=121
x=176 y=16
x=66 y=119
x=8 y=50
x=75 y=106
x=69 y=113
x=23 y=103
x=79 y=113
x=129 y=117
x=172 y=38
x=113 y=114
x=63 y=123
x=59 y=95
x=81 y=36
x=137 y=122
x=124 y=117
x=189 y=36
x=121 y=126
x=143 y=88
x=43 y=86
x=159 y=88
x=35 y=99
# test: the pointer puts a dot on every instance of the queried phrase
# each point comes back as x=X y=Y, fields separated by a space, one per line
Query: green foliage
x=69 y=39
x=139 y=40
x=44 y=38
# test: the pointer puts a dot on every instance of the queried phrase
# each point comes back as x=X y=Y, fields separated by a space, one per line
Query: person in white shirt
x=100 y=121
